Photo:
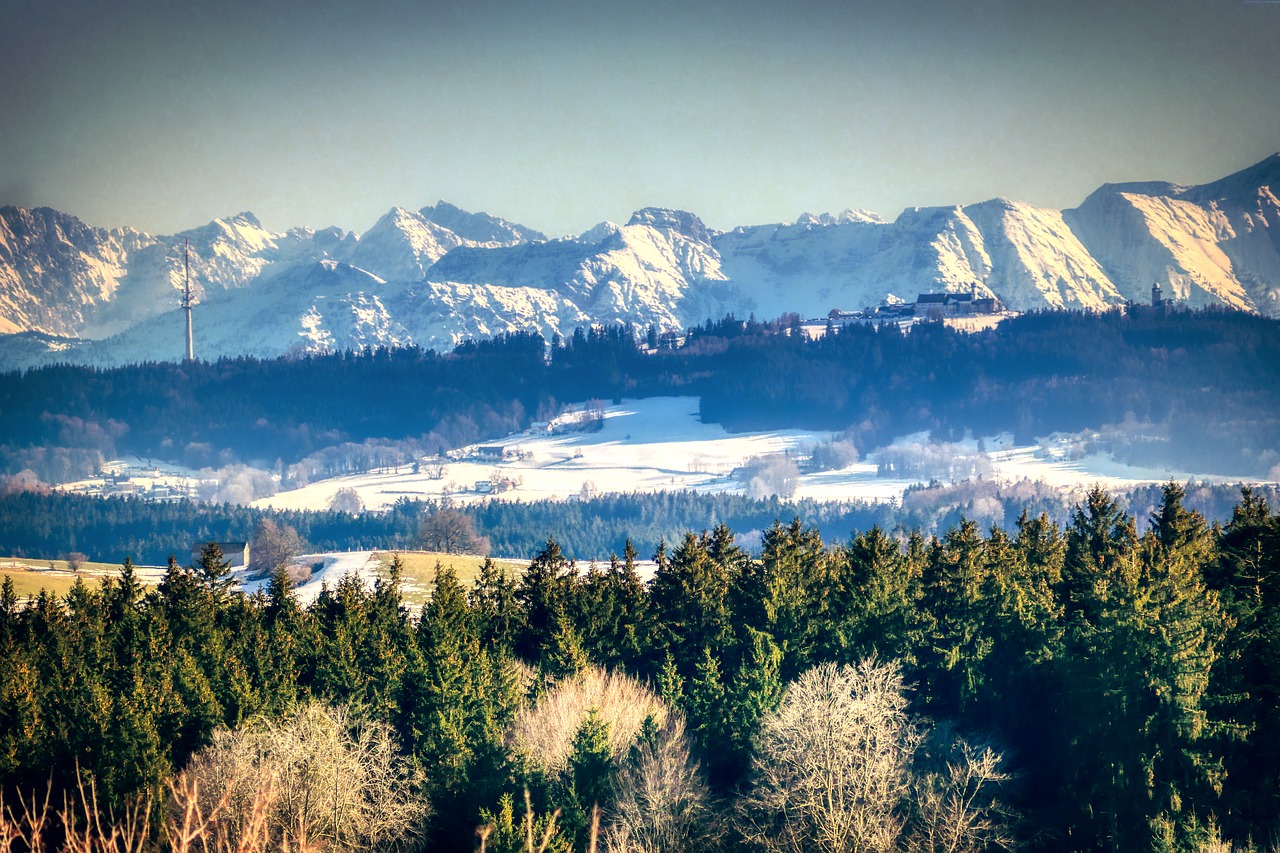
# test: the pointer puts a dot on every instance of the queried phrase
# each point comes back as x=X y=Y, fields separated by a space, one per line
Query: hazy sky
x=163 y=114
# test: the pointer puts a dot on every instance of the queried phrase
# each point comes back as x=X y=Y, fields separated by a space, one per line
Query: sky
x=164 y=114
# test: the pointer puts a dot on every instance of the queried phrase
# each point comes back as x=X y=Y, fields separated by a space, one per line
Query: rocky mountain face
x=1218 y=243
x=71 y=292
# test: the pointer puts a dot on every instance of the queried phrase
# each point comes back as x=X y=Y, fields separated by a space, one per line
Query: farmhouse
x=237 y=553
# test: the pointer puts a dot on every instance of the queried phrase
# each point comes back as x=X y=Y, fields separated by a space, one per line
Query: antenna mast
x=186 y=295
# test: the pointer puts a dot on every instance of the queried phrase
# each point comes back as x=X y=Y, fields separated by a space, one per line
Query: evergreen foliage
x=1130 y=680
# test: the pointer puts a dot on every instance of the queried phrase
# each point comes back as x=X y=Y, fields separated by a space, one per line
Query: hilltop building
x=927 y=306
x=1160 y=304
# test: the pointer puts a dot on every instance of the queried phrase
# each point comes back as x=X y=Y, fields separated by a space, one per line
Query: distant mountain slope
x=1215 y=243
x=440 y=274
x=56 y=273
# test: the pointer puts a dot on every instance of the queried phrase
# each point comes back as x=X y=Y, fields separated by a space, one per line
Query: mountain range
x=74 y=293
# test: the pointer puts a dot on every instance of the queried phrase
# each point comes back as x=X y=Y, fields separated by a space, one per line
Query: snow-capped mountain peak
x=667 y=219
x=845 y=217
x=479 y=227
x=599 y=232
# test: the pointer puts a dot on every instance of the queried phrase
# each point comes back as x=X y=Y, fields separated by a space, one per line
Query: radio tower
x=186 y=296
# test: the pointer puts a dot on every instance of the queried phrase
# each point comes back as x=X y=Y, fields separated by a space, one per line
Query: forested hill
x=1200 y=389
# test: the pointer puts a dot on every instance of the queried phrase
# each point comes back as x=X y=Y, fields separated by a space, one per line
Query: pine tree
x=689 y=596
x=590 y=774
x=452 y=704
x=213 y=570
x=1246 y=684
x=961 y=614
x=541 y=593
x=784 y=594
x=872 y=602
x=497 y=613
x=1141 y=637
x=706 y=709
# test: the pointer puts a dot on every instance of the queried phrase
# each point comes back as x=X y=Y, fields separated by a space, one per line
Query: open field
x=419 y=570
x=31 y=576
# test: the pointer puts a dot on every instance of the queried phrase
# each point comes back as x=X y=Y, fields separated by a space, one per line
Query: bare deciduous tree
x=661 y=802
x=543 y=733
x=954 y=793
x=834 y=763
x=841 y=767
x=272 y=545
x=449 y=531
x=336 y=780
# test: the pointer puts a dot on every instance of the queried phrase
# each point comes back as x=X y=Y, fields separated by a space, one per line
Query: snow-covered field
x=659 y=444
x=335 y=566
x=644 y=445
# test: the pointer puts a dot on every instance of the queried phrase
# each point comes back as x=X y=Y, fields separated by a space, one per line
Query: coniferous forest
x=1075 y=687
x=46 y=525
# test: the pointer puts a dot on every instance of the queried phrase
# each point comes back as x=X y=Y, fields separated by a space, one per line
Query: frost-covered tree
x=347 y=500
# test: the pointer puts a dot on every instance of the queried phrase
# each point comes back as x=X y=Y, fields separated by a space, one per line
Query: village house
x=237 y=553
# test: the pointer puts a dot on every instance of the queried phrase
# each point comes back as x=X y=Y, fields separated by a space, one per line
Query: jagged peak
x=49 y=215
x=446 y=208
x=244 y=217
x=599 y=232
x=1242 y=185
x=404 y=220
x=225 y=228
x=848 y=216
x=478 y=227
x=398 y=214
x=668 y=219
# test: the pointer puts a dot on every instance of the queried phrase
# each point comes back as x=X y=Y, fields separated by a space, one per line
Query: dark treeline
x=1169 y=379
x=1160 y=383
x=50 y=525
x=1129 y=680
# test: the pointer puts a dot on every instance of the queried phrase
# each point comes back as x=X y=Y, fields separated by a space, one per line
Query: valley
x=659 y=444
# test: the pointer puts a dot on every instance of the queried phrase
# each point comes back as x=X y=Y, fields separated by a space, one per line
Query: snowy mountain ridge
x=440 y=274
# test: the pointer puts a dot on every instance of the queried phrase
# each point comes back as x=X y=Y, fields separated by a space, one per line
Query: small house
x=236 y=553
